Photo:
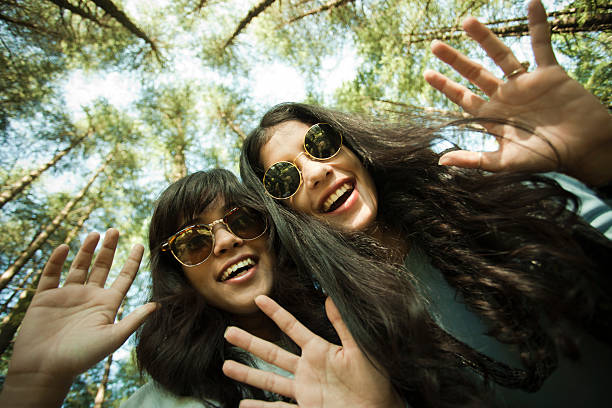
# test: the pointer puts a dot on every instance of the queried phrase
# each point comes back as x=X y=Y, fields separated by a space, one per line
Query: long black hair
x=507 y=243
x=181 y=345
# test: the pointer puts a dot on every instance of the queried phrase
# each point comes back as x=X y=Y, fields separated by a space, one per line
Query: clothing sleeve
x=152 y=395
x=592 y=208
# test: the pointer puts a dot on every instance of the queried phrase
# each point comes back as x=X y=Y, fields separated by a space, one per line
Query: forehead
x=285 y=142
x=213 y=211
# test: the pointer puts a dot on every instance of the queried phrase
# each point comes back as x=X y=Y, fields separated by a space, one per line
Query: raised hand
x=325 y=375
x=560 y=111
x=68 y=329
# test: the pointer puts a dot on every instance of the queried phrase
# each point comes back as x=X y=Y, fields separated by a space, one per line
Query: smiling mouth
x=237 y=269
x=338 y=197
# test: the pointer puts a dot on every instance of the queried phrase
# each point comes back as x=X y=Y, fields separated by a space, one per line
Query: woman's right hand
x=68 y=329
x=558 y=109
x=325 y=375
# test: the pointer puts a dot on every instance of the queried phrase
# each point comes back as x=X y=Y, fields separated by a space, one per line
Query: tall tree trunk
x=49 y=229
x=12 y=321
x=178 y=165
x=22 y=284
x=254 y=12
x=78 y=11
x=101 y=393
x=563 y=23
x=25 y=181
x=112 y=10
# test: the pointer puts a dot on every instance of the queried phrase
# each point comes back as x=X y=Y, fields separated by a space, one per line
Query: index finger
x=263 y=349
x=285 y=321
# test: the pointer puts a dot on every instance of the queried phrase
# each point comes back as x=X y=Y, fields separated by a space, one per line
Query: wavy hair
x=181 y=345
x=507 y=243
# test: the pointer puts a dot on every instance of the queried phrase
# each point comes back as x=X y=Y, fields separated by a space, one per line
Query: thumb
x=471 y=160
x=131 y=322
x=333 y=314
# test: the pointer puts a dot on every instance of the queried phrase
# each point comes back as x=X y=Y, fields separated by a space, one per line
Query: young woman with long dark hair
x=517 y=283
x=212 y=255
x=181 y=345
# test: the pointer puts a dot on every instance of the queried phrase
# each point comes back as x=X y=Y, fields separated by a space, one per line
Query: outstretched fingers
x=258 y=378
x=104 y=259
x=499 y=52
x=539 y=31
x=285 y=321
x=467 y=68
x=53 y=269
x=265 y=350
x=458 y=94
x=79 y=268
x=123 y=282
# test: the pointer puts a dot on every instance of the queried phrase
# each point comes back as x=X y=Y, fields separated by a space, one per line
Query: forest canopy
x=192 y=78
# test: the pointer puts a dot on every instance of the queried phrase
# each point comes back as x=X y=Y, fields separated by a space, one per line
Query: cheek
x=299 y=202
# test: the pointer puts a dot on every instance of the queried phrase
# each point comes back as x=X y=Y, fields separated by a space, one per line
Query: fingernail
x=226 y=330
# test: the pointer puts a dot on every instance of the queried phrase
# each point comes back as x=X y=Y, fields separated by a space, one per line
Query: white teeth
x=337 y=194
x=231 y=269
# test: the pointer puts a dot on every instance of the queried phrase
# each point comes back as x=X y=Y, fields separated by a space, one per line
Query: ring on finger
x=520 y=70
x=480 y=160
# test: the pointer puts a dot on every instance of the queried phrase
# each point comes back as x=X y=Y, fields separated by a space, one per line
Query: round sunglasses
x=283 y=179
x=193 y=245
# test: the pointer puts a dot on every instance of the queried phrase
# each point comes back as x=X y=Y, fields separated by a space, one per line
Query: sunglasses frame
x=166 y=245
x=306 y=152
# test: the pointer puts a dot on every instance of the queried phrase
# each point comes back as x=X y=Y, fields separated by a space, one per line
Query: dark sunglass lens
x=193 y=246
x=282 y=180
x=246 y=223
x=322 y=141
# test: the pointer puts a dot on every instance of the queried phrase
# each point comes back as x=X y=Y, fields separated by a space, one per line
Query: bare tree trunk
x=78 y=11
x=110 y=8
x=12 y=321
x=565 y=22
x=25 y=181
x=178 y=165
x=49 y=229
x=254 y=12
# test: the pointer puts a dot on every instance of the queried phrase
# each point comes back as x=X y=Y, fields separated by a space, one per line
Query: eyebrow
x=196 y=220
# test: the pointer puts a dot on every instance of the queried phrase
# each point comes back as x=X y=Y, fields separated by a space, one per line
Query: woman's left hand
x=558 y=109
x=325 y=375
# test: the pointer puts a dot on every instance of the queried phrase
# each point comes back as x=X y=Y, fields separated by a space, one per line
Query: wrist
x=25 y=390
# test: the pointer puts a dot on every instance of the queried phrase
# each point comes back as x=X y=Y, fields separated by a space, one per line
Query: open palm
x=325 y=375
x=570 y=129
x=68 y=329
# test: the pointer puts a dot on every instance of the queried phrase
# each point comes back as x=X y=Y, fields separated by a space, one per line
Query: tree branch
x=254 y=12
x=324 y=7
x=112 y=10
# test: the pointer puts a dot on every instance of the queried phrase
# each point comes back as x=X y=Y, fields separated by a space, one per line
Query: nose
x=225 y=240
x=314 y=172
